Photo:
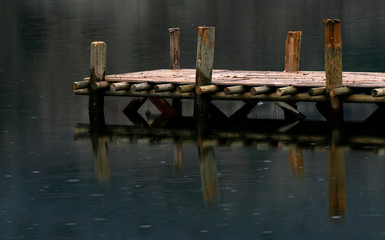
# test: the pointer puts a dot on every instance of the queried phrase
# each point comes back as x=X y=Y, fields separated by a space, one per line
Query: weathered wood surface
x=252 y=78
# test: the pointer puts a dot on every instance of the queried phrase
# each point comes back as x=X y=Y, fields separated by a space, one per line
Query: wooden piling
x=174 y=48
x=97 y=74
x=292 y=52
x=333 y=66
x=204 y=68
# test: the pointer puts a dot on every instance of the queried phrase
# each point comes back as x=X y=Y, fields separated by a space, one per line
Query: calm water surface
x=59 y=183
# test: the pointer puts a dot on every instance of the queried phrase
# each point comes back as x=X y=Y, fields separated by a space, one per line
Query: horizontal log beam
x=164 y=87
x=80 y=85
x=120 y=86
x=100 y=85
x=235 y=89
x=186 y=88
x=207 y=89
x=378 y=92
x=141 y=87
x=341 y=91
x=299 y=97
x=286 y=91
x=260 y=90
x=317 y=91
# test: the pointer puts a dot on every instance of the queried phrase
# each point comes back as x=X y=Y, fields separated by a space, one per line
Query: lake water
x=58 y=182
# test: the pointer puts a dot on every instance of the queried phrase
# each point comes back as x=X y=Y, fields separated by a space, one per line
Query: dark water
x=56 y=183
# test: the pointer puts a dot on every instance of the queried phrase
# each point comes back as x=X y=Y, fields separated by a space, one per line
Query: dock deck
x=329 y=89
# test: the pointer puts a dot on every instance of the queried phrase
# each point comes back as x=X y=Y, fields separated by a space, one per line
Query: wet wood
x=174 y=48
x=292 y=51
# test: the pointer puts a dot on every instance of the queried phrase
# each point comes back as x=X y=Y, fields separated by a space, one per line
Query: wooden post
x=333 y=66
x=174 y=59
x=97 y=74
x=205 y=55
x=174 y=48
x=204 y=67
x=292 y=52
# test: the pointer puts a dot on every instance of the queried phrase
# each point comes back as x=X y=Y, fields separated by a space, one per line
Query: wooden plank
x=252 y=78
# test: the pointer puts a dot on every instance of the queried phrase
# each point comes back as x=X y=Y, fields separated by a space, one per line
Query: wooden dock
x=329 y=88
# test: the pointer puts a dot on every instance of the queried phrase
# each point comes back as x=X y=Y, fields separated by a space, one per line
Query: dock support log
x=333 y=66
x=97 y=74
x=204 y=68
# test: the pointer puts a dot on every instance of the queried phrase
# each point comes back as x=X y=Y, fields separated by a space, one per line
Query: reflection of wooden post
x=292 y=52
x=204 y=67
x=97 y=74
x=178 y=157
x=101 y=158
x=337 y=189
x=333 y=66
x=209 y=173
x=296 y=161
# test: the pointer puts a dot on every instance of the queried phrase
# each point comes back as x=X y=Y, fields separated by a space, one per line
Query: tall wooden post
x=292 y=52
x=174 y=48
x=292 y=55
x=97 y=74
x=175 y=62
x=204 y=68
x=333 y=66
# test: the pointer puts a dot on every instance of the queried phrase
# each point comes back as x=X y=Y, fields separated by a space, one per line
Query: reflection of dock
x=275 y=133
x=250 y=132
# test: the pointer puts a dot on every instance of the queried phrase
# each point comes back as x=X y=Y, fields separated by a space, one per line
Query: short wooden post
x=204 y=67
x=292 y=52
x=97 y=74
x=174 y=48
x=333 y=66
